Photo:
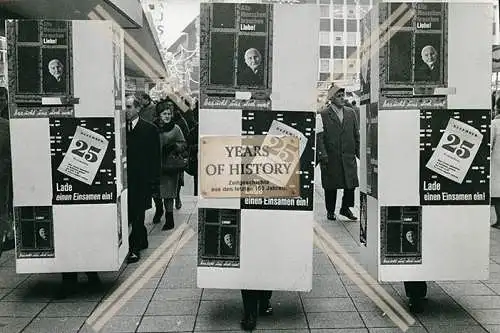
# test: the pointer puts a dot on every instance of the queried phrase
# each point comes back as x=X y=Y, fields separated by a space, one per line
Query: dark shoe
x=133 y=257
x=249 y=322
x=265 y=309
x=496 y=226
x=157 y=217
x=331 y=216
x=178 y=203
x=169 y=221
x=416 y=305
x=347 y=213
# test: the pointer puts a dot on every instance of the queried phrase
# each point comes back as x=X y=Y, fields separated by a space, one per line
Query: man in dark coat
x=338 y=147
x=143 y=173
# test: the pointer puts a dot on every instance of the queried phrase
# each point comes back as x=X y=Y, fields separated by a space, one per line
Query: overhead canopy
x=140 y=41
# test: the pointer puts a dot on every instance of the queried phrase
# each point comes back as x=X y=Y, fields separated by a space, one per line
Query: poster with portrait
x=82 y=160
x=400 y=233
x=219 y=237
x=454 y=157
x=300 y=125
x=372 y=149
x=39 y=59
x=34 y=232
x=235 y=56
x=413 y=60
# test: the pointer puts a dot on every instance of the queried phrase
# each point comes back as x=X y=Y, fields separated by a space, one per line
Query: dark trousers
x=331 y=199
x=138 y=238
x=415 y=289
x=253 y=298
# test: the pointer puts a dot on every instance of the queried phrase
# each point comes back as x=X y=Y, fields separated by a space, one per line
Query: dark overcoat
x=338 y=145
x=143 y=164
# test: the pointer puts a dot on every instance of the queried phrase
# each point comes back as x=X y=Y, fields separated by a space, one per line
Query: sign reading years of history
x=250 y=166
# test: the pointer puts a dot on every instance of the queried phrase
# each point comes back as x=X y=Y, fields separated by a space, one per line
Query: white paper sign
x=84 y=155
x=456 y=151
x=281 y=150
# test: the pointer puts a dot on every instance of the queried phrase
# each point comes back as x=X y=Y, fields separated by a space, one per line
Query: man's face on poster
x=56 y=69
x=42 y=233
x=253 y=59
x=429 y=55
x=410 y=237
x=228 y=240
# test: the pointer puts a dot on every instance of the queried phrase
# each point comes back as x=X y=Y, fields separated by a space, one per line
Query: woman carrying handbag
x=173 y=158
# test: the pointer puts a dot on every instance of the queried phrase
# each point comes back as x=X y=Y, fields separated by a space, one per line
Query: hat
x=333 y=90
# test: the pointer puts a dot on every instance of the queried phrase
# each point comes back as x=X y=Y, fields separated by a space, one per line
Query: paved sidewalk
x=170 y=302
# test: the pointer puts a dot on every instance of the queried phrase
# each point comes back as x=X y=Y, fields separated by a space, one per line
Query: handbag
x=175 y=161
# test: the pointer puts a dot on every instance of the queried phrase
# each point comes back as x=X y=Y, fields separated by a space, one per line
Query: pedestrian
x=6 y=216
x=255 y=302
x=173 y=161
x=181 y=122
x=143 y=174
x=147 y=111
x=338 y=148
x=495 y=163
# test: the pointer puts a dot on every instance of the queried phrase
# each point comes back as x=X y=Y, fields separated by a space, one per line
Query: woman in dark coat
x=172 y=143
x=180 y=121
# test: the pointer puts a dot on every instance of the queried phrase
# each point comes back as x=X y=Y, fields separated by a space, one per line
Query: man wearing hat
x=338 y=147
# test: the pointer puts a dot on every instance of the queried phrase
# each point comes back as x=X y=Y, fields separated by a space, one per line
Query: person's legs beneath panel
x=416 y=291
x=330 y=202
x=69 y=285
x=250 y=303
x=265 y=308
x=347 y=202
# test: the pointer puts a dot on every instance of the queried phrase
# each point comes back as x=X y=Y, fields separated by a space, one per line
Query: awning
x=142 y=57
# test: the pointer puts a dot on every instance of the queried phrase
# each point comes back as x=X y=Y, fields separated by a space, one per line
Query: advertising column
x=66 y=147
x=256 y=160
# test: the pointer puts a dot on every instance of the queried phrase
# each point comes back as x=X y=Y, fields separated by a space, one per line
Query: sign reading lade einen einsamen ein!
x=249 y=166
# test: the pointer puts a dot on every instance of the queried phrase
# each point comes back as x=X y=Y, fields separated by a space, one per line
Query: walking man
x=338 y=147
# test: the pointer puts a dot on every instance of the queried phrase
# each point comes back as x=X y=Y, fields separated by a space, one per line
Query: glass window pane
x=324 y=76
x=338 y=52
x=351 y=25
x=338 y=25
x=324 y=51
x=351 y=38
x=324 y=38
x=327 y=2
x=324 y=65
x=351 y=52
x=324 y=11
x=338 y=2
x=337 y=76
x=351 y=2
x=364 y=2
x=324 y=25
x=338 y=65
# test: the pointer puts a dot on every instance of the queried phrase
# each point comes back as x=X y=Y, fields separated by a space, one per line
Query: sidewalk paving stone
x=55 y=325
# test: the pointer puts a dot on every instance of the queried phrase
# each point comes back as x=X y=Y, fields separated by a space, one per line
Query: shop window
x=352 y=52
x=338 y=11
